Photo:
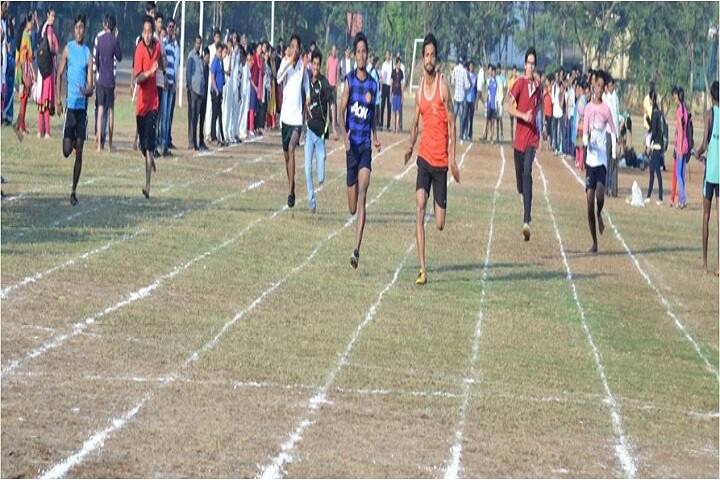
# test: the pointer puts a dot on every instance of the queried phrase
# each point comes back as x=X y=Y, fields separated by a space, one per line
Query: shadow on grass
x=644 y=251
x=51 y=218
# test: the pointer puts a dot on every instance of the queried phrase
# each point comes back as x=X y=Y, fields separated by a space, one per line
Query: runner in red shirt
x=523 y=103
x=147 y=58
x=433 y=103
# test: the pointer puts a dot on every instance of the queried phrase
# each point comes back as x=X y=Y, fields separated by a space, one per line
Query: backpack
x=44 y=57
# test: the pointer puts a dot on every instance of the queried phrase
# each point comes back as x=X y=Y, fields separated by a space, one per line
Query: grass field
x=210 y=331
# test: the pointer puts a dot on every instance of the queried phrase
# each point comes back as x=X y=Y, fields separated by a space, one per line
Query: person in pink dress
x=46 y=106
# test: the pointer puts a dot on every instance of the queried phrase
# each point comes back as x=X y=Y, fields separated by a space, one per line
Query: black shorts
x=491 y=114
x=710 y=190
x=287 y=133
x=355 y=159
x=105 y=97
x=437 y=177
x=75 y=124
x=594 y=175
x=146 y=127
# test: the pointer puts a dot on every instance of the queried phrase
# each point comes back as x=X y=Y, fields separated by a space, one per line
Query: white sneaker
x=659 y=203
x=646 y=200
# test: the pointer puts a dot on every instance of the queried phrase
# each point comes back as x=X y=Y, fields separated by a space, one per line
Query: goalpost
x=412 y=66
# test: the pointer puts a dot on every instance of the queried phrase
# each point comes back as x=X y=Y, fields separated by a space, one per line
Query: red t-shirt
x=547 y=104
x=147 y=95
x=527 y=97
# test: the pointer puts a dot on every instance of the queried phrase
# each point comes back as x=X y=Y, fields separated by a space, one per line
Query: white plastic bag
x=637 y=198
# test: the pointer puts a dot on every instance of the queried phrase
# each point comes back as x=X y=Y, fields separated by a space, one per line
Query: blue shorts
x=396 y=104
x=357 y=158
x=491 y=113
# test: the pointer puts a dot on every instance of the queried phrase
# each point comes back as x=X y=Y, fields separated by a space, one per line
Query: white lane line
x=92 y=443
x=453 y=464
x=663 y=301
x=275 y=468
x=579 y=398
x=622 y=447
x=37 y=276
x=21 y=195
x=140 y=293
x=96 y=441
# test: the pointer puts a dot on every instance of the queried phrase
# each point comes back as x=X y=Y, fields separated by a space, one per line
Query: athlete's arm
x=447 y=100
x=90 y=77
x=703 y=148
x=413 y=128
x=341 y=114
x=60 y=72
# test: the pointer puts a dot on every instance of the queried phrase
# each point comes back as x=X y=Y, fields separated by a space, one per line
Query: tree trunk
x=689 y=95
x=562 y=42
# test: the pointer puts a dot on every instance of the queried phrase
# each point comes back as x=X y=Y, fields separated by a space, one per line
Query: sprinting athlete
x=77 y=61
x=596 y=121
x=357 y=125
x=523 y=103
x=434 y=105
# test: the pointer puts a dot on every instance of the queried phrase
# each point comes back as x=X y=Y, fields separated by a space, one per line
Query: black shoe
x=203 y=147
x=146 y=193
x=156 y=154
x=291 y=200
x=73 y=199
x=167 y=153
x=355 y=259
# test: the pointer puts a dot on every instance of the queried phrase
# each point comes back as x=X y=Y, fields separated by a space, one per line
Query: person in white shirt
x=292 y=74
x=460 y=83
x=234 y=90
x=386 y=81
x=611 y=99
x=228 y=88
x=244 y=82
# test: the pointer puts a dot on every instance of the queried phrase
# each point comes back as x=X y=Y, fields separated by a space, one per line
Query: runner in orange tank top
x=437 y=147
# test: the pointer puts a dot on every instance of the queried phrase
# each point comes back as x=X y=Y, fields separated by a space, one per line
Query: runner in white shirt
x=292 y=74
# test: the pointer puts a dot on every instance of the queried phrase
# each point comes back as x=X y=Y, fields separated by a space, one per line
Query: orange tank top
x=434 y=137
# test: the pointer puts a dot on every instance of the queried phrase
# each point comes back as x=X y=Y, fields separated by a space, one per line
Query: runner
x=523 y=102
x=597 y=119
x=146 y=64
x=438 y=137
x=77 y=60
x=357 y=125
x=711 y=180
x=292 y=75
x=319 y=100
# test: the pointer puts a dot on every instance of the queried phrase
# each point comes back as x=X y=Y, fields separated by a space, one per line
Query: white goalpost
x=412 y=65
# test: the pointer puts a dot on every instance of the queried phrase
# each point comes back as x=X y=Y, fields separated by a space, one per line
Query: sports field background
x=210 y=331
